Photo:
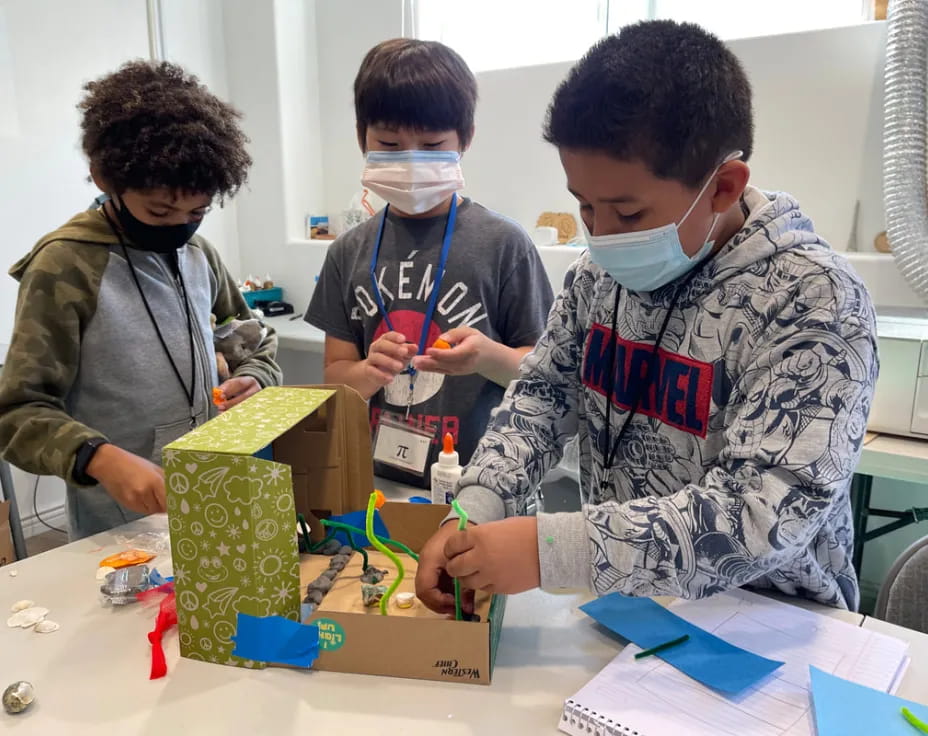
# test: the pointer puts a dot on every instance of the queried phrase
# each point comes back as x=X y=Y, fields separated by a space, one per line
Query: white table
x=296 y=334
x=91 y=676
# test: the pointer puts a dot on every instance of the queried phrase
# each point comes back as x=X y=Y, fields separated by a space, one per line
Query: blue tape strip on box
x=275 y=639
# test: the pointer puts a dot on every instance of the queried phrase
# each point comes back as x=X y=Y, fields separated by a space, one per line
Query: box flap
x=254 y=424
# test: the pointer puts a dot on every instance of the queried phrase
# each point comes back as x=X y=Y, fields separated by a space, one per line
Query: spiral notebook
x=648 y=697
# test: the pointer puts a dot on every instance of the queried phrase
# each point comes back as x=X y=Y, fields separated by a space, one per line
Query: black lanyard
x=612 y=448
x=189 y=393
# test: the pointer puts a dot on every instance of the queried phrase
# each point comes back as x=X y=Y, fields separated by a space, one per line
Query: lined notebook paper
x=648 y=697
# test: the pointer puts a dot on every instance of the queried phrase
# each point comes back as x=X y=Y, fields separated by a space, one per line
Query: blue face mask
x=645 y=260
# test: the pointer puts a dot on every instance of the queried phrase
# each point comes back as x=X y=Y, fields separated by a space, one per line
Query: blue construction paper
x=358 y=519
x=846 y=708
x=275 y=639
x=704 y=657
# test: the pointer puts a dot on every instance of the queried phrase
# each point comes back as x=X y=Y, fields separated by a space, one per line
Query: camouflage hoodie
x=86 y=362
x=736 y=467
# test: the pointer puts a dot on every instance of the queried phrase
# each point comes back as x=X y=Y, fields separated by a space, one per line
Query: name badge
x=402 y=446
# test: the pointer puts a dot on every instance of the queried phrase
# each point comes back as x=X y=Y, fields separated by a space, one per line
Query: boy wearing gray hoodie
x=714 y=356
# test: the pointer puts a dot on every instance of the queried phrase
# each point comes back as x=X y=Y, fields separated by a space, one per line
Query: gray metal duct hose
x=905 y=190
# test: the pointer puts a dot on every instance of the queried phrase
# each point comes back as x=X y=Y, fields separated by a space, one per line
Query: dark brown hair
x=669 y=94
x=153 y=125
x=423 y=85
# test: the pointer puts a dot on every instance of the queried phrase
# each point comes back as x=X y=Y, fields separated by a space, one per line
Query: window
x=501 y=34
x=746 y=18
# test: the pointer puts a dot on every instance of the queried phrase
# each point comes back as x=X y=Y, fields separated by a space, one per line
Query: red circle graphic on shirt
x=426 y=385
x=409 y=324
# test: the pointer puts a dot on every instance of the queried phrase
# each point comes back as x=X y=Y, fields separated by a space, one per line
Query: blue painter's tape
x=275 y=639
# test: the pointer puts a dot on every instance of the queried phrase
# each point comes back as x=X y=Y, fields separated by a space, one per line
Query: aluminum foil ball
x=18 y=696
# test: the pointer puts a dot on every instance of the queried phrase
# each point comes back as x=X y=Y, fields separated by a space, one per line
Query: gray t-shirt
x=494 y=282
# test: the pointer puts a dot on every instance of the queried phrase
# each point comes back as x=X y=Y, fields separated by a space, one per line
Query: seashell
x=21 y=606
x=15 y=620
x=45 y=626
x=32 y=616
x=18 y=696
x=405 y=600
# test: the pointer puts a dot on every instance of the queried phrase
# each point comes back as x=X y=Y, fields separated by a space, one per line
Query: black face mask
x=156 y=238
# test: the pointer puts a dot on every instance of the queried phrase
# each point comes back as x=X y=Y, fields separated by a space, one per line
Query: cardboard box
x=414 y=643
x=234 y=486
x=7 y=555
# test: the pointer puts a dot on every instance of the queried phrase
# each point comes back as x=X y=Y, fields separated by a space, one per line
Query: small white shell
x=102 y=572
x=14 y=573
x=15 y=620
x=405 y=600
x=46 y=626
x=21 y=606
x=32 y=616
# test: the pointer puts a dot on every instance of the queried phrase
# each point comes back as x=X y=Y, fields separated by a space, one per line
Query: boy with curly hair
x=111 y=356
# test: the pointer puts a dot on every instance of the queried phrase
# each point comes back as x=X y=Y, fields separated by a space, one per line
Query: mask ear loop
x=734 y=155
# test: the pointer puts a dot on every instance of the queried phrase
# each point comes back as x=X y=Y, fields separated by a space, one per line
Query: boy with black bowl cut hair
x=432 y=265
x=715 y=356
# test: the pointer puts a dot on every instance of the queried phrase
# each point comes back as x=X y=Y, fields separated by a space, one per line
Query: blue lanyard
x=439 y=275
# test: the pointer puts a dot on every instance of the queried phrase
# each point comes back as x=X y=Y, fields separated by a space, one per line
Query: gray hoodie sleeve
x=528 y=431
x=776 y=484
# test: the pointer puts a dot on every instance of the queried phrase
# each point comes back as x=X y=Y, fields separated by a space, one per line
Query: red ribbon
x=166 y=618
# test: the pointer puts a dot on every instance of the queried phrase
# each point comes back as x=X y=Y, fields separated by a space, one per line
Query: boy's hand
x=469 y=353
x=498 y=557
x=387 y=357
x=131 y=480
x=236 y=390
x=434 y=587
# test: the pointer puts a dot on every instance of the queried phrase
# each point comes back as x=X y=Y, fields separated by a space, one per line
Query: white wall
x=270 y=44
x=343 y=40
x=818 y=110
x=193 y=37
x=42 y=170
x=42 y=148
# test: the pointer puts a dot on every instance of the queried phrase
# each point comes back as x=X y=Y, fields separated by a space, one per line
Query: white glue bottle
x=445 y=473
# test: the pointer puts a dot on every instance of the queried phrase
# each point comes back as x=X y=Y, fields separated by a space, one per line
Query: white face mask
x=413 y=181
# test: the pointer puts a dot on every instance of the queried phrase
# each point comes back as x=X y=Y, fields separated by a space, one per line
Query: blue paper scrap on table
x=704 y=657
x=844 y=708
x=276 y=639
x=357 y=520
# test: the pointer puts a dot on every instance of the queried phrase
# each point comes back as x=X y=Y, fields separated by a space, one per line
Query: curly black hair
x=669 y=94
x=153 y=125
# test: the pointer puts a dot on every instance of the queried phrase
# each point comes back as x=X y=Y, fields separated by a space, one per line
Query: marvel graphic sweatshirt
x=735 y=469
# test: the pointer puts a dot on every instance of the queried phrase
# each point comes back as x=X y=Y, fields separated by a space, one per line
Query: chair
x=903 y=598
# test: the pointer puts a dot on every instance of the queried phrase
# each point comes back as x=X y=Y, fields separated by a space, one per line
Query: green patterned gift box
x=232 y=521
